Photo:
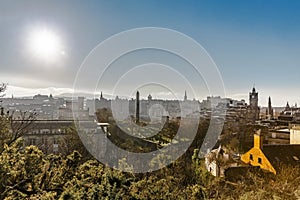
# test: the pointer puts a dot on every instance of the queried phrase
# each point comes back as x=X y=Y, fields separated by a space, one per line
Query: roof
x=283 y=154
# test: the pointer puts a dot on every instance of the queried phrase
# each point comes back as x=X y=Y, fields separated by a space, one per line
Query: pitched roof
x=282 y=154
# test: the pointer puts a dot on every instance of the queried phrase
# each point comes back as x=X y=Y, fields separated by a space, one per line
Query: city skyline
x=143 y=96
x=253 y=43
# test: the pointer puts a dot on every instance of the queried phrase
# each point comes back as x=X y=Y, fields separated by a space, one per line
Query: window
x=32 y=141
x=55 y=145
x=259 y=160
x=44 y=141
x=251 y=157
x=55 y=141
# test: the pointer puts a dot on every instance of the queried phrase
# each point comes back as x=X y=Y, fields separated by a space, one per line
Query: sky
x=251 y=42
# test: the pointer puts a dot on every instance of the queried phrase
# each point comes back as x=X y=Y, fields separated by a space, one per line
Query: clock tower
x=253 y=105
x=253 y=98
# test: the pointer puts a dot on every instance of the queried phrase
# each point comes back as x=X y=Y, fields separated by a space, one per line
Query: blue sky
x=252 y=42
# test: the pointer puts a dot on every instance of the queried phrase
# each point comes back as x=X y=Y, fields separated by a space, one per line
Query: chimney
x=258 y=139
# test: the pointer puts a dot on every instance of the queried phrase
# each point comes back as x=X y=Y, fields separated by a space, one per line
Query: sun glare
x=45 y=44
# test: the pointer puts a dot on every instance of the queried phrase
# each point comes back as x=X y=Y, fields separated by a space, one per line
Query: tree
x=104 y=115
x=71 y=142
x=2 y=89
x=13 y=128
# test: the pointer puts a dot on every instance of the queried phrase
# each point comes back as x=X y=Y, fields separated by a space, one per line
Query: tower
x=149 y=97
x=137 y=108
x=253 y=105
x=253 y=98
x=270 y=110
x=185 y=96
x=287 y=107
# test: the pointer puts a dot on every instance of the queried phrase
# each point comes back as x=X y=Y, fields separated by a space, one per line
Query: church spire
x=287 y=107
x=185 y=96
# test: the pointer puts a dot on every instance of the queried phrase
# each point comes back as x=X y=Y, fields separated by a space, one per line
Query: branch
x=16 y=186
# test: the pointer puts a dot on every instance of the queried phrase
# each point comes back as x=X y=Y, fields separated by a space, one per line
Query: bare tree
x=13 y=128
x=2 y=88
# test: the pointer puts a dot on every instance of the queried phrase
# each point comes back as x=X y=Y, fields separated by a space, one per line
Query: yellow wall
x=258 y=139
x=256 y=154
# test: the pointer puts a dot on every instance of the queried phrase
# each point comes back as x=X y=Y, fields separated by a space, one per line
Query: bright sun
x=45 y=44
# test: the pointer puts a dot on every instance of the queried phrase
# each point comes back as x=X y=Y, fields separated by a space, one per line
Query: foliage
x=28 y=173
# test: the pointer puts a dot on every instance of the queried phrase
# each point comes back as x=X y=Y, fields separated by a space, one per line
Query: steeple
x=185 y=96
x=149 y=97
x=287 y=107
x=101 y=96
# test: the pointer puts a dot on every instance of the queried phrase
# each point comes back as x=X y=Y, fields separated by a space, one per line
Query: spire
x=185 y=96
x=101 y=96
x=149 y=97
x=287 y=105
x=253 y=89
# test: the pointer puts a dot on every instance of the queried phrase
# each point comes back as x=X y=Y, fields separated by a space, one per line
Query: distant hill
x=86 y=95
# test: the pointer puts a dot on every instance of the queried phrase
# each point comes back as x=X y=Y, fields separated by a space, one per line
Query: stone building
x=74 y=110
x=50 y=135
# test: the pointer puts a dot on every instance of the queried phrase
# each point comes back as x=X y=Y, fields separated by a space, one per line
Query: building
x=289 y=114
x=46 y=134
x=150 y=109
x=50 y=135
x=218 y=160
x=46 y=107
x=294 y=133
x=74 y=110
x=253 y=108
x=271 y=157
x=280 y=135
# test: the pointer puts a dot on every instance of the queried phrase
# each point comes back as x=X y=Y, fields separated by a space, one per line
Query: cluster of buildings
x=55 y=114
x=54 y=120
x=281 y=131
x=275 y=143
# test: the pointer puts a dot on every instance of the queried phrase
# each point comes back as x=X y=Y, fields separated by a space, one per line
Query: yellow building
x=269 y=157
